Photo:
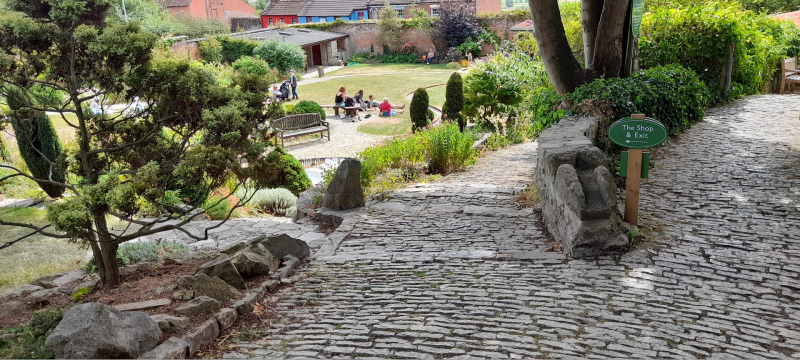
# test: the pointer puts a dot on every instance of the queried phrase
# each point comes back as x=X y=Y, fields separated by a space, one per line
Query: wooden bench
x=790 y=75
x=348 y=110
x=300 y=125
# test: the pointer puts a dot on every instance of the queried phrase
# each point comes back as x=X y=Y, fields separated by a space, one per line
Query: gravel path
x=454 y=269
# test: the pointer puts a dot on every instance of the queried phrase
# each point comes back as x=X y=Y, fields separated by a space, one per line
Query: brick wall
x=186 y=48
x=487 y=6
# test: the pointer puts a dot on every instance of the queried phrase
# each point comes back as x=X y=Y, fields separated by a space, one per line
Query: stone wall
x=577 y=192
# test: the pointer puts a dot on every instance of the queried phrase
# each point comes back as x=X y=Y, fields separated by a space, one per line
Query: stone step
x=142 y=305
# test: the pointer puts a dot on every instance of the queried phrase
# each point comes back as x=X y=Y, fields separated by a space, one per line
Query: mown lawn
x=37 y=255
x=381 y=80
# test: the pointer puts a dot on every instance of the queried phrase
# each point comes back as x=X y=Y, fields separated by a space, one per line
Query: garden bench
x=351 y=111
x=790 y=75
x=418 y=59
x=300 y=125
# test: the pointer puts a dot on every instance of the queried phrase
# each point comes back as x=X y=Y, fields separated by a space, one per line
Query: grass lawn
x=381 y=80
x=37 y=255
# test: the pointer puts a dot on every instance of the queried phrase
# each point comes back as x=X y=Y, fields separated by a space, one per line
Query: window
x=340 y=45
x=434 y=12
x=360 y=15
x=281 y=20
x=294 y=21
x=270 y=22
x=322 y=19
x=400 y=13
x=227 y=14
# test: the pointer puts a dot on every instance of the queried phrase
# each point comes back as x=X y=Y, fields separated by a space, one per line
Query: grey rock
x=283 y=244
x=222 y=268
x=202 y=335
x=183 y=295
x=42 y=297
x=199 y=305
x=20 y=291
x=98 y=331
x=90 y=285
x=173 y=348
x=245 y=305
x=166 y=288
x=254 y=261
x=345 y=192
x=69 y=276
x=45 y=284
x=234 y=248
x=142 y=305
x=214 y=287
x=169 y=323
x=225 y=318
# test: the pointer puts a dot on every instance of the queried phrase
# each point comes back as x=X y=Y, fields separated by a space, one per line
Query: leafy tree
x=456 y=24
x=419 y=110
x=391 y=28
x=281 y=55
x=454 y=100
x=190 y=133
x=210 y=49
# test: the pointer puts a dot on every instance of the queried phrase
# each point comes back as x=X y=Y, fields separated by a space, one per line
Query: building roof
x=285 y=7
x=793 y=16
x=293 y=35
x=332 y=7
x=174 y=3
x=526 y=25
x=374 y=3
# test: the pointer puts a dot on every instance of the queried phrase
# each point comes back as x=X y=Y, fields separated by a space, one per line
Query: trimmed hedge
x=671 y=94
x=308 y=107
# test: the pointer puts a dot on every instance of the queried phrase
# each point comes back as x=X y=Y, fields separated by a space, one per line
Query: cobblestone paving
x=454 y=269
x=346 y=141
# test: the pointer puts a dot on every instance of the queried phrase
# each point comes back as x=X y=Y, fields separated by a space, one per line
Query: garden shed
x=322 y=47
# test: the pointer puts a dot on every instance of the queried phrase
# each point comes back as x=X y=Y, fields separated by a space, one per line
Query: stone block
x=199 y=305
x=149 y=304
x=281 y=245
x=204 y=334
x=183 y=295
x=225 y=318
x=222 y=268
x=214 y=287
x=173 y=348
x=245 y=305
x=168 y=323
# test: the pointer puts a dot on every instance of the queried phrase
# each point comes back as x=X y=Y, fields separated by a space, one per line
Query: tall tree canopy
x=189 y=135
x=604 y=38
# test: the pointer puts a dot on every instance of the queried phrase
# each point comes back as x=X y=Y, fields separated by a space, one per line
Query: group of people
x=282 y=93
x=343 y=99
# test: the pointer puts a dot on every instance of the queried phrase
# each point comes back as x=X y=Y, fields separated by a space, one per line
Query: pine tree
x=454 y=100
x=419 y=110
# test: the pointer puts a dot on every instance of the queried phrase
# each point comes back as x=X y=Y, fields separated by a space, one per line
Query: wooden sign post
x=636 y=133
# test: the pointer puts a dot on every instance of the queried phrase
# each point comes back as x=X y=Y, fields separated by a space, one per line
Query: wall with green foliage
x=696 y=37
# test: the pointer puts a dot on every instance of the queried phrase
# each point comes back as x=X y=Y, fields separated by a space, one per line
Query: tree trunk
x=108 y=248
x=590 y=20
x=562 y=68
x=98 y=256
x=608 y=46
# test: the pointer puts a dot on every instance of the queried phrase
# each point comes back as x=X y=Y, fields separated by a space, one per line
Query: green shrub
x=448 y=149
x=233 y=49
x=453 y=65
x=308 y=107
x=454 y=100
x=251 y=65
x=281 y=55
x=286 y=172
x=697 y=36
x=364 y=57
x=496 y=142
x=419 y=110
x=540 y=111
x=28 y=341
x=397 y=58
x=217 y=207
x=149 y=250
x=91 y=265
x=210 y=49
x=195 y=27
x=37 y=141
x=275 y=111
x=279 y=201
x=671 y=94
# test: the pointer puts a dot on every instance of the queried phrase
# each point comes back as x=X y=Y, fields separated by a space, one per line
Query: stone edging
x=211 y=329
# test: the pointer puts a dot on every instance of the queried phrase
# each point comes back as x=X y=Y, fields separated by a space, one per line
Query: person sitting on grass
x=375 y=104
x=387 y=109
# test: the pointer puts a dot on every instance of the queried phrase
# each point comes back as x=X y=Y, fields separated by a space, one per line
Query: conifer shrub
x=308 y=107
x=38 y=142
x=454 y=100
x=290 y=173
x=419 y=110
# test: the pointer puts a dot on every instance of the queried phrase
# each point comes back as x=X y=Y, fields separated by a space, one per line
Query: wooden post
x=633 y=182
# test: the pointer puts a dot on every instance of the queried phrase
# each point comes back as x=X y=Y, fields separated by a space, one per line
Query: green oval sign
x=636 y=16
x=637 y=134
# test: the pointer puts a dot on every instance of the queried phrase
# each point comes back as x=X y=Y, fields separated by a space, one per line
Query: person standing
x=430 y=56
x=293 y=82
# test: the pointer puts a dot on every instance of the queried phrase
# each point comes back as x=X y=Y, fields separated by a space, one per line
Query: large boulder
x=222 y=268
x=98 y=331
x=254 y=261
x=213 y=287
x=345 y=192
x=282 y=245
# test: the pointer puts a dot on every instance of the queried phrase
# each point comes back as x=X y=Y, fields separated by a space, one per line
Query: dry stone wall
x=577 y=192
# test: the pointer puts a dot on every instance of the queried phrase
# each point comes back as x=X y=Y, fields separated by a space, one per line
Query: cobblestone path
x=455 y=269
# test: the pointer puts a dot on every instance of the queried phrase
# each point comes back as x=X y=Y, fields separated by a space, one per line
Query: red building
x=282 y=12
x=221 y=9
